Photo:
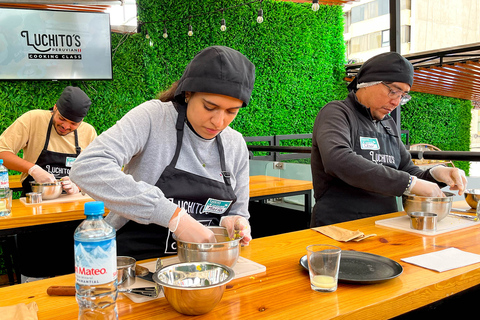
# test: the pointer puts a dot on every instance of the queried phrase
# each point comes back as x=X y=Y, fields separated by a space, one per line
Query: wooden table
x=284 y=292
x=23 y=216
x=267 y=187
x=261 y=187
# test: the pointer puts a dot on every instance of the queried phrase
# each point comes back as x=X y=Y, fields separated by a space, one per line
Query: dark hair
x=169 y=94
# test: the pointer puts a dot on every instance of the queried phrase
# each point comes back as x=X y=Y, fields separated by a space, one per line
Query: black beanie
x=220 y=70
x=73 y=104
x=388 y=66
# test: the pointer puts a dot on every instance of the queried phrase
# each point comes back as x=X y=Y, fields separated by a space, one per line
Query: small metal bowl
x=426 y=221
x=472 y=196
x=439 y=205
x=194 y=288
x=33 y=197
x=225 y=251
x=125 y=271
x=51 y=190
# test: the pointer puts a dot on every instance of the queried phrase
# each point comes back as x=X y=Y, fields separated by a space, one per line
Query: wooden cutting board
x=447 y=224
x=243 y=268
x=60 y=199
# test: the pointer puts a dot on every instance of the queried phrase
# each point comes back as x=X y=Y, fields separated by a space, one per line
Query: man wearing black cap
x=359 y=163
x=48 y=155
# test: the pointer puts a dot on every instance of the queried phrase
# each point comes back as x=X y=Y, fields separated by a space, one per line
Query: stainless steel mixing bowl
x=225 y=251
x=472 y=196
x=51 y=190
x=439 y=205
x=194 y=288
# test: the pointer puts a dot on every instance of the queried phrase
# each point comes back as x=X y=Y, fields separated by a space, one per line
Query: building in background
x=425 y=25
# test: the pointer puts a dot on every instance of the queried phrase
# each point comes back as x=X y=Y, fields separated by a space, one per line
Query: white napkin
x=444 y=260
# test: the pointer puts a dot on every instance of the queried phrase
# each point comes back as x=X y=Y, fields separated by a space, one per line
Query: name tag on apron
x=69 y=161
x=369 y=143
x=216 y=206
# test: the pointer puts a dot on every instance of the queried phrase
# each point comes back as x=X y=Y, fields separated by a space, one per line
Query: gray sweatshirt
x=144 y=142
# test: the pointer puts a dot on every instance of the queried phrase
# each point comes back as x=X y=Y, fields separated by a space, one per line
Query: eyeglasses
x=395 y=94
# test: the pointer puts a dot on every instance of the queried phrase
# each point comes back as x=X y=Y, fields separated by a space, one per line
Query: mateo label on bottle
x=95 y=262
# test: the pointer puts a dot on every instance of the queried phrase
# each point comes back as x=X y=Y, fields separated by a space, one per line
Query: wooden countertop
x=284 y=291
x=266 y=185
x=25 y=216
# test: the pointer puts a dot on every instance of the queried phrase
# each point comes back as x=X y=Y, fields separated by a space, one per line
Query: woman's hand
x=188 y=229
x=453 y=177
x=237 y=223
x=69 y=186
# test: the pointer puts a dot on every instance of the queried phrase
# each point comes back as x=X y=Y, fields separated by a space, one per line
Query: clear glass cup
x=5 y=203
x=323 y=266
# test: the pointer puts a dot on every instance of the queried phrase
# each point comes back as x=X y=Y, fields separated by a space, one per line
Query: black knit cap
x=388 y=66
x=73 y=104
x=220 y=70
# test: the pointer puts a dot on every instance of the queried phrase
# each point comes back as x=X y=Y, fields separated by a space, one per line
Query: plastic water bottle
x=5 y=193
x=96 y=265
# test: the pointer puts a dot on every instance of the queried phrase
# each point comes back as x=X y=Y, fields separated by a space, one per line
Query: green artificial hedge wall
x=441 y=121
x=299 y=56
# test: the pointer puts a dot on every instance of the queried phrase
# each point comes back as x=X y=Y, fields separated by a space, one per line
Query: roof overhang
x=452 y=72
x=77 y=5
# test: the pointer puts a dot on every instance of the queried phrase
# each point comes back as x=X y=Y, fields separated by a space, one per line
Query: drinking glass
x=323 y=266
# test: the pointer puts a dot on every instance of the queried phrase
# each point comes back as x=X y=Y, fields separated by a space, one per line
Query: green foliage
x=299 y=56
x=441 y=121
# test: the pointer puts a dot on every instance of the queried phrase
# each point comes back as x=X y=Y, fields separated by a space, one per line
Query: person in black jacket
x=359 y=163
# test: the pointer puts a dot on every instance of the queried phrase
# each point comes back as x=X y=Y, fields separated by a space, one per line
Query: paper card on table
x=341 y=234
x=444 y=260
x=20 y=311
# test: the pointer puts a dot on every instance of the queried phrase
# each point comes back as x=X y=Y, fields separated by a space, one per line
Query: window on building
x=383 y=7
x=358 y=13
x=385 y=38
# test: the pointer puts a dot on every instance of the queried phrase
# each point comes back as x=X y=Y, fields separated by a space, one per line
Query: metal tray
x=363 y=268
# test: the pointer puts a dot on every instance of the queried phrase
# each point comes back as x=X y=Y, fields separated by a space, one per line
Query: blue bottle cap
x=1 y=161
x=94 y=208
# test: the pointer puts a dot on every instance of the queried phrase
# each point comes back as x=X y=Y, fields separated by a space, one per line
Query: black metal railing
x=277 y=152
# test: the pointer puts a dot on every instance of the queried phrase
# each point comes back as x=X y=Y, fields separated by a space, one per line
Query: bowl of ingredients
x=472 y=196
x=49 y=190
x=438 y=205
x=194 y=288
x=225 y=251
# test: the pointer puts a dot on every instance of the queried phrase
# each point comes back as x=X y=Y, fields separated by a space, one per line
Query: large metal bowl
x=194 y=288
x=225 y=251
x=472 y=196
x=51 y=190
x=439 y=205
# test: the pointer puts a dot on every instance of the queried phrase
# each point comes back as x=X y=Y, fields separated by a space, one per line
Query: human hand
x=40 y=175
x=69 y=186
x=426 y=188
x=237 y=223
x=453 y=177
x=188 y=229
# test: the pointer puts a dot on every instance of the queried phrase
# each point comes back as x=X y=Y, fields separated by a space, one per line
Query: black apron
x=45 y=252
x=204 y=199
x=53 y=162
x=343 y=202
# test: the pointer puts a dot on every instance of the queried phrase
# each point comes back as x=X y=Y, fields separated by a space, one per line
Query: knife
x=70 y=291
x=143 y=273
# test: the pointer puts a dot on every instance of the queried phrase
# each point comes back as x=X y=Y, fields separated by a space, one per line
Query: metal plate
x=363 y=268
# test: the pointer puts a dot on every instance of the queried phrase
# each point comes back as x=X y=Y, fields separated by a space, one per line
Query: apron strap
x=225 y=173
x=182 y=113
